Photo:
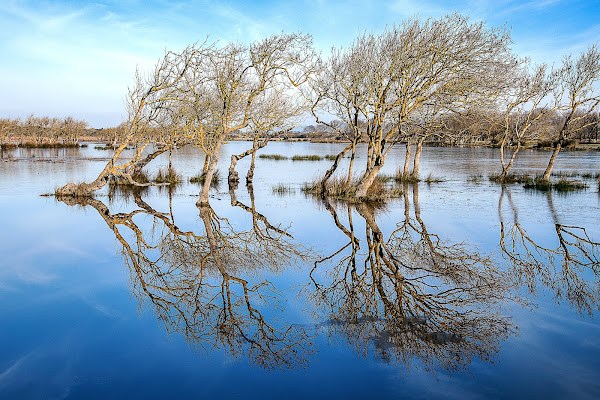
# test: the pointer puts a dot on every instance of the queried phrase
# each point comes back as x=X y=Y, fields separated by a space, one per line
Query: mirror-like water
x=457 y=289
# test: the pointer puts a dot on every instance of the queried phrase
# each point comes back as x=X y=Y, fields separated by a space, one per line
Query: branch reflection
x=411 y=297
x=206 y=286
x=567 y=265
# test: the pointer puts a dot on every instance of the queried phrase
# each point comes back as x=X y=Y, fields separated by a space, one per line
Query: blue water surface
x=127 y=297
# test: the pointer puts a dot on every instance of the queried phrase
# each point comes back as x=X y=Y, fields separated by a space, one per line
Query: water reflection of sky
x=73 y=328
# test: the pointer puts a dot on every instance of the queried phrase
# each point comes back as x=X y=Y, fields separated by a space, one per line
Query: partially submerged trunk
x=352 y=156
x=250 y=174
x=407 y=157
x=507 y=167
x=502 y=144
x=417 y=160
x=233 y=176
x=374 y=165
x=332 y=169
x=86 y=189
x=561 y=137
x=367 y=180
x=122 y=174
x=212 y=165
x=548 y=171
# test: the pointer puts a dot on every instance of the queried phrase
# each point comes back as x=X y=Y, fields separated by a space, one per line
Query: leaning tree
x=578 y=95
x=243 y=87
x=152 y=105
x=525 y=108
x=383 y=81
x=204 y=94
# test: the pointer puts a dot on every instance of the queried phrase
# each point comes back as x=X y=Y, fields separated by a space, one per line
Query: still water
x=458 y=289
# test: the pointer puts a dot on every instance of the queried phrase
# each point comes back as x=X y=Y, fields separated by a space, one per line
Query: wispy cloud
x=80 y=57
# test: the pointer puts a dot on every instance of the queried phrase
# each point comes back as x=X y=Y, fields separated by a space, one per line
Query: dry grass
x=282 y=189
x=433 y=179
x=312 y=157
x=276 y=157
x=511 y=178
x=400 y=177
x=169 y=176
x=341 y=189
x=563 y=185
x=201 y=177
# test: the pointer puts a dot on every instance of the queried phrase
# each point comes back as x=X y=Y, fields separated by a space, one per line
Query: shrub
x=432 y=179
x=475 y=178
x=563 y=185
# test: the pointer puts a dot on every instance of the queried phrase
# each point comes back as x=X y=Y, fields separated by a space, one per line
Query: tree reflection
x=411 y=297
x=206 y=286
x=568 y=266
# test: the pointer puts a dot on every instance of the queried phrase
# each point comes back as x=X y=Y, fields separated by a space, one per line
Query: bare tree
x=151 y=104
x=238 y=87
x=383 y=81
x=524 y=100
x=578 y=95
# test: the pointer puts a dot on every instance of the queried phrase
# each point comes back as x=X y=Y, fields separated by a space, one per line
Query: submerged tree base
x=406 y=178
x=75 y=190
x=342 y=189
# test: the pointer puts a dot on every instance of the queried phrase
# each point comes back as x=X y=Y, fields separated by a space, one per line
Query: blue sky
x=77 y=58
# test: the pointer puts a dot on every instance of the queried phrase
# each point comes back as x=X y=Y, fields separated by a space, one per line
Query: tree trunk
x=407 y=159
x=367 y=180
x=86 y=189
x=137 y=166
x=250 y=174
x=212 y=165
x=332 y=169
x=372 y=170
x=352 y=156
x=205 y=167
x=550 y=166
x=507 y=167
x=561 y=136
x=415 y=172
x=233 y=176
x=502 y=155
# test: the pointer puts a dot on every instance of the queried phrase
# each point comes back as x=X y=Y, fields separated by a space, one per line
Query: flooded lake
x=457 y=289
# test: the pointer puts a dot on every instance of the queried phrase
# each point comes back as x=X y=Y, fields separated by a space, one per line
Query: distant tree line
x=40 y=131
x=479 y=127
